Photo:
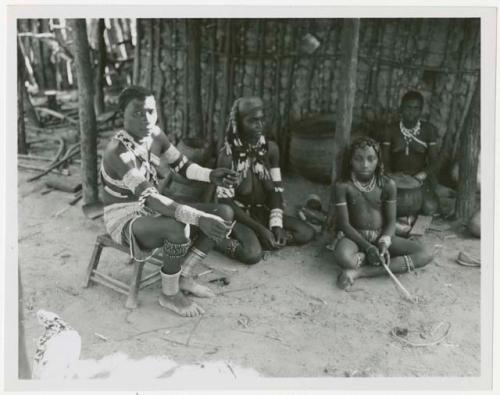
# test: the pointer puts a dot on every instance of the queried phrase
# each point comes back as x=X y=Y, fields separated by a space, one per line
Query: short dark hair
x=361 y=142
x=413 y=95
x=131 y=93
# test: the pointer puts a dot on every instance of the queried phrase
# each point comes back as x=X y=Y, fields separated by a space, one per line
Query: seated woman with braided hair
x=137 y=215
x=257 y=199
x=365 y=201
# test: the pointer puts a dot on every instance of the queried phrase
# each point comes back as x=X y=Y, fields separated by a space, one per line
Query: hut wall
x=438 y=57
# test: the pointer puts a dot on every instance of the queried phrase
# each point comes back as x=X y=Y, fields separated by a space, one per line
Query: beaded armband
x=198 y=173
x=276 y=218
x=275 y=173
x=225 y=192
x=188 y=215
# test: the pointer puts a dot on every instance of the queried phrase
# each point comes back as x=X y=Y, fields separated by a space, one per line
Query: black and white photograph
x=225 y=196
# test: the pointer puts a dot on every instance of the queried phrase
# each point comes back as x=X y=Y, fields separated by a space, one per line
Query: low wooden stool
x=136 y=282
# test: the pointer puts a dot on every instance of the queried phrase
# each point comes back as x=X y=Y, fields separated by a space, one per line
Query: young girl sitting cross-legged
x=365 y=202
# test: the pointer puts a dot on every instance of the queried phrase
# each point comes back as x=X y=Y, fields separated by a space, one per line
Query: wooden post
x=345 y=103
x=28 y=107
x=27 y=64
x=149 y=61
x=21 y=131
x=48 y=64
x=469 y=159
x=212 y=86
x=88 y=127
x=36 y=48
x=347 y=91
x=261 y=37
x=100 y=67
x=227 y=84
x=137 y=52
x=194 y=82
x=280 y=37
x=159 y=74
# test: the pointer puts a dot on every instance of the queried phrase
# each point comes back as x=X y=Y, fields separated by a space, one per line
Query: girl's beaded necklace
x=367 y=187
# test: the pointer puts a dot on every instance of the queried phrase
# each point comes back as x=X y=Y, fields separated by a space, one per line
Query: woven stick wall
x=438 y=57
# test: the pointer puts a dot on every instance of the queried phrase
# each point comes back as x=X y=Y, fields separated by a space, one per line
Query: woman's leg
x=406 y=255
x=243 y=245
x=350 y=259
x=200 y=249
x=301 y=231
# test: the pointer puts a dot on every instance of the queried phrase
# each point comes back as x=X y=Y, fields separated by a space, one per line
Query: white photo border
x=488 y=84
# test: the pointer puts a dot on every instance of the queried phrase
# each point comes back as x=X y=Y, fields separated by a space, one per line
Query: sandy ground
x=283 y=317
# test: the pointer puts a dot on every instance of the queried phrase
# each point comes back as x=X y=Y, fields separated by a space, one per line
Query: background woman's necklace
x=368 y=187
x=409 y=134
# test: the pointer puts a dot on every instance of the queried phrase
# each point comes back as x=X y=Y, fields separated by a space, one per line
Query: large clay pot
x=181 y=188
x=312 y=147
x=409 y=195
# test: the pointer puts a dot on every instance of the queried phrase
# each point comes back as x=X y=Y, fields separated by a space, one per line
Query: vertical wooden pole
x=137 y=52
x=27 y=63
x=101 y=65
x=227 y=84
x=88 y=127
x=28 y=107
x=261 y=37
x=280 y=38
x=194 y=81
x=48 y=64
x=311 y=71
x=185 y=69
x=469 y=159
x=21 y=131
x=289 y=73
x=347 y=91
x=37 y=55
x=149 y=61
x=345 y=103
x=212 y=86
x=159 y=74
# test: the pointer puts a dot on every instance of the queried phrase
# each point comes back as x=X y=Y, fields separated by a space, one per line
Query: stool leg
x=94 y=261
x=134 y=285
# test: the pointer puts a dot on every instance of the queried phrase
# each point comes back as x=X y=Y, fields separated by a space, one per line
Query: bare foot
x=180 y=304
x=346 y=279
x=189 y=285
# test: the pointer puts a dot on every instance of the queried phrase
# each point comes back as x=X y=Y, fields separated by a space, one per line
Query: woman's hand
x=373 y=256
x=384 y=252
x=280 y=236
x=223 y=177
x=267 y=238
x=214 y=227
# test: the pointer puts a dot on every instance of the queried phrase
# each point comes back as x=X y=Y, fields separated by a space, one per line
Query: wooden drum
x=410 y=195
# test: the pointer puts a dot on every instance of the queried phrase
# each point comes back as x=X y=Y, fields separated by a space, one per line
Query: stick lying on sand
x=426 y=344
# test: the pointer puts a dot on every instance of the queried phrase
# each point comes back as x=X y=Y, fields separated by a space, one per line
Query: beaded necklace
x=367 y=187
x=410 y=135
